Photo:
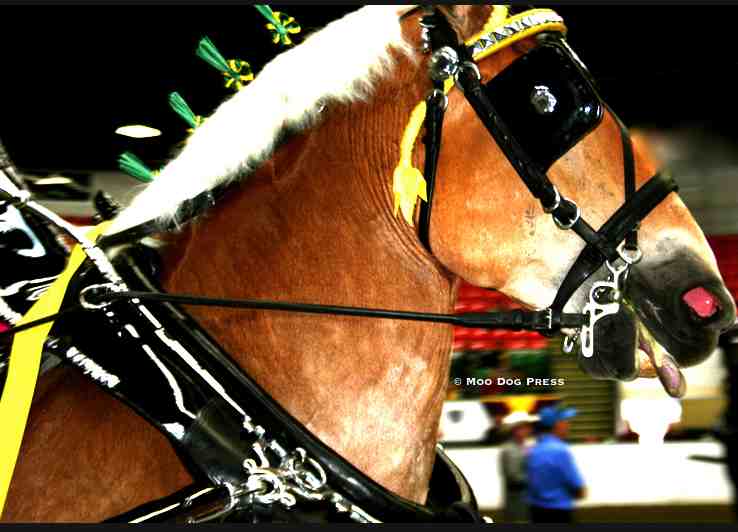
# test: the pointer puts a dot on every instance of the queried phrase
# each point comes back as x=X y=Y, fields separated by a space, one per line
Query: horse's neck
x=315 y=225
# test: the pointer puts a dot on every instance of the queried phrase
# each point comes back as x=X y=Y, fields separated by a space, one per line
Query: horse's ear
x=467 y=20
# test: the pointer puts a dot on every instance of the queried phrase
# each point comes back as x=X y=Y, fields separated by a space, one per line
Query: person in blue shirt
x=554 y=481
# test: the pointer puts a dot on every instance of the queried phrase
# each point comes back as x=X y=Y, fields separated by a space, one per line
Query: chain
x=282 y=480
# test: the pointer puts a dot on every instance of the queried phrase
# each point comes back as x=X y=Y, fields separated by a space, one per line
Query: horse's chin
x=625 y=349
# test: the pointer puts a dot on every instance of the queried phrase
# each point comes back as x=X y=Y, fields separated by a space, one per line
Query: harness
x=250 y=459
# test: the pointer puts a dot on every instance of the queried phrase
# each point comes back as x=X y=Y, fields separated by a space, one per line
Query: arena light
x=53 y=180
x=138 y=131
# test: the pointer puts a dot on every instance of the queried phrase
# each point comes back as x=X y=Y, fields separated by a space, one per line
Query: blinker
x=547 y=101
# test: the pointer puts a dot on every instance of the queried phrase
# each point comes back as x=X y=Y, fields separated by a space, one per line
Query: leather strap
x=436 y=109
x=189 y=209
x=620 y=224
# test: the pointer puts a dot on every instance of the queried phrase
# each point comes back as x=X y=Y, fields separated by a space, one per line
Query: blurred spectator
x=513 y=467
x=553 y=478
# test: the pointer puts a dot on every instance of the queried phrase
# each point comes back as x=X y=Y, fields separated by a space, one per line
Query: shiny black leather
x=546 y=137
x=166 y=391
x=31 y=257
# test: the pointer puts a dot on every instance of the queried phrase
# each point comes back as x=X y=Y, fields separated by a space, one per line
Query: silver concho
x=543 y=100
x=444 y=63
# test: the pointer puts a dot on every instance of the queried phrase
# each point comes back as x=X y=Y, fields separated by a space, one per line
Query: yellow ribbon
x=408 y=182
x=25 y=360
x=285 y=27
x=234 y=75
x=198 y=122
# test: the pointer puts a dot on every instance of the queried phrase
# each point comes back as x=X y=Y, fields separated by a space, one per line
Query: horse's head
x=487 y=227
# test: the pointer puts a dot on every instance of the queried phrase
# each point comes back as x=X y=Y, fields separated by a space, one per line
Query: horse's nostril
x=702 y=302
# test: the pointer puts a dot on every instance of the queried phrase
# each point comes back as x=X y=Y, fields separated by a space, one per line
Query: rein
x=99 y=296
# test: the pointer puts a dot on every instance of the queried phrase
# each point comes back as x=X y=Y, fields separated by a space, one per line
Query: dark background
x=72 y=74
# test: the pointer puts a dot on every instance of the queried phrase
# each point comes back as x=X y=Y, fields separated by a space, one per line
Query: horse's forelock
x=467 y=20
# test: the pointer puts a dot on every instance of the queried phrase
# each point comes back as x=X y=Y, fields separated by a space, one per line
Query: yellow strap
x=25 y=359
x=519 y=36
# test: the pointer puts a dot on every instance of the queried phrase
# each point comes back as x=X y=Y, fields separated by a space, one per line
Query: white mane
x=338 y=63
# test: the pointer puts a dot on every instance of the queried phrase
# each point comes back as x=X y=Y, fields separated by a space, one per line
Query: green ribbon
x=136 y=168
x=238 y=73
x=179 y=105
x=281 y=24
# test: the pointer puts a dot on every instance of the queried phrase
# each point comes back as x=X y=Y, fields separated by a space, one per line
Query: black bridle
x=617 y=239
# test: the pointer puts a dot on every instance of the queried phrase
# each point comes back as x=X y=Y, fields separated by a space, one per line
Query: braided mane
x=340 y=63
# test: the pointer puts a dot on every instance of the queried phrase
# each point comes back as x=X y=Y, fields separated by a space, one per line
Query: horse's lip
x=657 y=362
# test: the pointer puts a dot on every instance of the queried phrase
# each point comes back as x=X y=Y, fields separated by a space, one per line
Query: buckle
x=440 y=96
x=470 y=65
x=630 y=256
x=443 y=64
x=567 y=225
x=548 y=317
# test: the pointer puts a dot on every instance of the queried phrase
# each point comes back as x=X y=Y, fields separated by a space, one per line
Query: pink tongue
x=701 y=301
x=3 y=326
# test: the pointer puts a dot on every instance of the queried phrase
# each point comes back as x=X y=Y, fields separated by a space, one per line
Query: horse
x=312 y=145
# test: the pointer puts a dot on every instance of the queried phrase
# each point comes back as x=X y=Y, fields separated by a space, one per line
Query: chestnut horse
x=314 y=222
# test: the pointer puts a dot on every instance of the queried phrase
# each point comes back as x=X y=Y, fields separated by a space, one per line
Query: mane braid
x=286 y=96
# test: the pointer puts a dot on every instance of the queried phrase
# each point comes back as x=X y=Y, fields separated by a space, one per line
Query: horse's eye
x=543 y=100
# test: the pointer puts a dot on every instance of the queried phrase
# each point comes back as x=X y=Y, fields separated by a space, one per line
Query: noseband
x=616 y=243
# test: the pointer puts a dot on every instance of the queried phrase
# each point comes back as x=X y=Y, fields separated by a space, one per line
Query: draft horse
x=308 y=191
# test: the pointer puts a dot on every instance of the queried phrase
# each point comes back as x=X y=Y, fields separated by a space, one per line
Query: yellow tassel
x=408 y=182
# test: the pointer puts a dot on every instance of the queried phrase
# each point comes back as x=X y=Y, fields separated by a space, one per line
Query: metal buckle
x=83 y=294
x=443 y=64
x=265 y=485
x=569 y=225
x=468 y=64
x=438 y=93
x=549 y=321
x=629 y=256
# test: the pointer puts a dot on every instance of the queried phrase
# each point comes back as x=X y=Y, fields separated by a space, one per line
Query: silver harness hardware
x=605 y=298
